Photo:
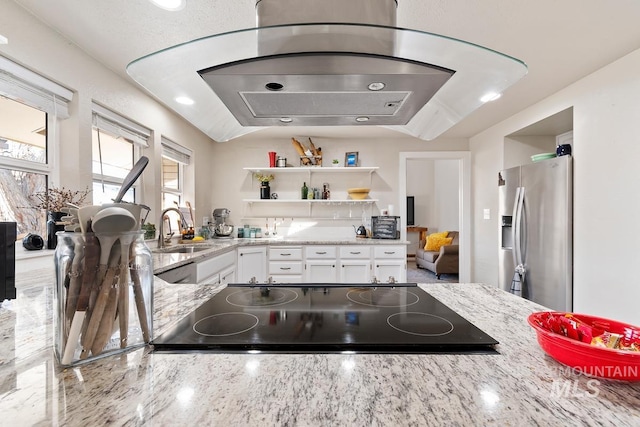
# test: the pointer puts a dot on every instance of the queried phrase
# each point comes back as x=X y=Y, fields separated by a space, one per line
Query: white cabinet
x=252 y=262
x=228 y=275
x=285 y=264
x=320 y=271
x=208 y=271
x=320 y=264
x=390 y=262
x=355 y=264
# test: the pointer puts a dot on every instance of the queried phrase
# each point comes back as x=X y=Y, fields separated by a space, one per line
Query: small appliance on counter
x=385 y=227
x=8 y=232
x=222 y=230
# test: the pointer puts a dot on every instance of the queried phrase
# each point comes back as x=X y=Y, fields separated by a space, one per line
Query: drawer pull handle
x=390 y=253
x=285 y=268
x=354 y=253
x=285 y=254
x=321 y=253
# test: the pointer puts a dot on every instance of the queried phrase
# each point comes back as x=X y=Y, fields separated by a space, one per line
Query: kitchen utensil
x=98 y=324
x=590 y=359
x=224 y=230
x=91 y=259
x=106 y=224
x=123 y=296
x=85 y=214
x=131 y=177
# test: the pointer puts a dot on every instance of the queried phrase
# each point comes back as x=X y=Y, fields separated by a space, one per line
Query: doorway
x=462 y=161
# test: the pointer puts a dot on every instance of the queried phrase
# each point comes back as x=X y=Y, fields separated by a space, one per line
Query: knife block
x=7 y=260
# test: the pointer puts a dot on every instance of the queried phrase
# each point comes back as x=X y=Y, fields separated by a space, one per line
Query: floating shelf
x=314 y=169
x=319 y=201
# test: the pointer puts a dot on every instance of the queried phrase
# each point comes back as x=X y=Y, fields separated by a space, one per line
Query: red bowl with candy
x=591 y=345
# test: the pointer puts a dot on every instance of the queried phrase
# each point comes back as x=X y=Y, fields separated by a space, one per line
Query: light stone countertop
x=520 y=386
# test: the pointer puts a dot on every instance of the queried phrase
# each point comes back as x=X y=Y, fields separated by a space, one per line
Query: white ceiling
x=560 y=41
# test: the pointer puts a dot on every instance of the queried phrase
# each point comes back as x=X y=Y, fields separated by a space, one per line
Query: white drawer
x=282 y=279
x=284 y=267
x=213 y=265
x=320 y=252
x=386 y=252
x=355 y=252
x=283 y=253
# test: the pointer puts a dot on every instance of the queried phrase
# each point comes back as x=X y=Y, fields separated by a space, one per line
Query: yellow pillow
x=435 y=242
x=442 y=234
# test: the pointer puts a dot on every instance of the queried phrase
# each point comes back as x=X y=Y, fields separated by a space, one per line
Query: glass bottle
x=101 y=309
x=326 y=193
x=305 y=191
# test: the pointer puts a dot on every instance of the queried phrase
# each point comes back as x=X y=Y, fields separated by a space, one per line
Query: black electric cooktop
x=325 y=318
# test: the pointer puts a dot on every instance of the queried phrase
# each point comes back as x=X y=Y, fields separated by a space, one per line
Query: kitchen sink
x=182 y=249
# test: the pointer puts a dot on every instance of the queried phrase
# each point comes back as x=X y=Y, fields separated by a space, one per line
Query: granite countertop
x=519 y=386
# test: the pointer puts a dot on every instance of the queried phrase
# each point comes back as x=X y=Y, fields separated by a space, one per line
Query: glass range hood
x=290 y=72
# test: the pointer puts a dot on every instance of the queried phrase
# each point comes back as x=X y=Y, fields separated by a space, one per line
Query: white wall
x=230 y=183
x=519 y=149
x=606 y=149
x=420 y=184
x=447 y=203
x=44 y=51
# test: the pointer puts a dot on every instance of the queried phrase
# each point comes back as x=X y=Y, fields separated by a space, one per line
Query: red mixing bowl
x=586 y=358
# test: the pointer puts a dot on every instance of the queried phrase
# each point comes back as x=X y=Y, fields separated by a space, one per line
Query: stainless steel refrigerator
x=536 y=232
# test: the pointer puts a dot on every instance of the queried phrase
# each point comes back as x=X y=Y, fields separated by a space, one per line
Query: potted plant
x=52 y=201
x=335 y=163
x=265 y=189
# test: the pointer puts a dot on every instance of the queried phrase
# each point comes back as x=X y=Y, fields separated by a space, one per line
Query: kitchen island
x=519 y=386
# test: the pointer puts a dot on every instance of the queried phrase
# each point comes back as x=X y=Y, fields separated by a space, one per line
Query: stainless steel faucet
x=161 y=239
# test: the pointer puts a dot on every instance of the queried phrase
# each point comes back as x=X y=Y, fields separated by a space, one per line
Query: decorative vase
x=265 y=191
x=54 y=224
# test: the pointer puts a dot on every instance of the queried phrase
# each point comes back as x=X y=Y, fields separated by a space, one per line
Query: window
x=174 y=159
x=30 y=107
x=116 y=146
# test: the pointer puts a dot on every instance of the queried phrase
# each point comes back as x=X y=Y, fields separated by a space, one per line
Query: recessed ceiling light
x=172 y=5
x=362 y=119
x=184 y=100
x=286 y=119
x=491 y=96
x=3 y=39
x=376 y=86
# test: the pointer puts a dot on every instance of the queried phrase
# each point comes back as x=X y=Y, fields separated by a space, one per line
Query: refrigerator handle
x=515 y=235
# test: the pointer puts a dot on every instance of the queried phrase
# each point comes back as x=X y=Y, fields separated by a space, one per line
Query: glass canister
x=104 y=295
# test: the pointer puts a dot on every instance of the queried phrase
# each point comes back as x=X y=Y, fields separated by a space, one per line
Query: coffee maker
x=221 y=229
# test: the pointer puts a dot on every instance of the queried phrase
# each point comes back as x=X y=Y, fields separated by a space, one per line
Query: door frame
x=464 y=200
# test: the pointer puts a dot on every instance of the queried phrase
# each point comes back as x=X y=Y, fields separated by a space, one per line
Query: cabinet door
x=252 y=262
x=355 y=271
x=320 y=271
x=383 y=269
x=228 y=275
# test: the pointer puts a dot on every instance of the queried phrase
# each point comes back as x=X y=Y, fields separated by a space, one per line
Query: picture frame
x=351 y=159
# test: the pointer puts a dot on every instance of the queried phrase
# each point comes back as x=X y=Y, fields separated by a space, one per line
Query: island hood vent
x=325 y=63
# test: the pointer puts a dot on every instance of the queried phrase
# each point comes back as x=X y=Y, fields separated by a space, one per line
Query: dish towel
x=518 y=283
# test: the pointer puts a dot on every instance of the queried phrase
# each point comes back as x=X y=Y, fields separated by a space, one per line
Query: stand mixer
x=221 y=230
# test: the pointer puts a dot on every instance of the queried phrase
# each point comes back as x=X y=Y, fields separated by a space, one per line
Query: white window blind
x=118 y=125
x=175 y=152
x=25 y=86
